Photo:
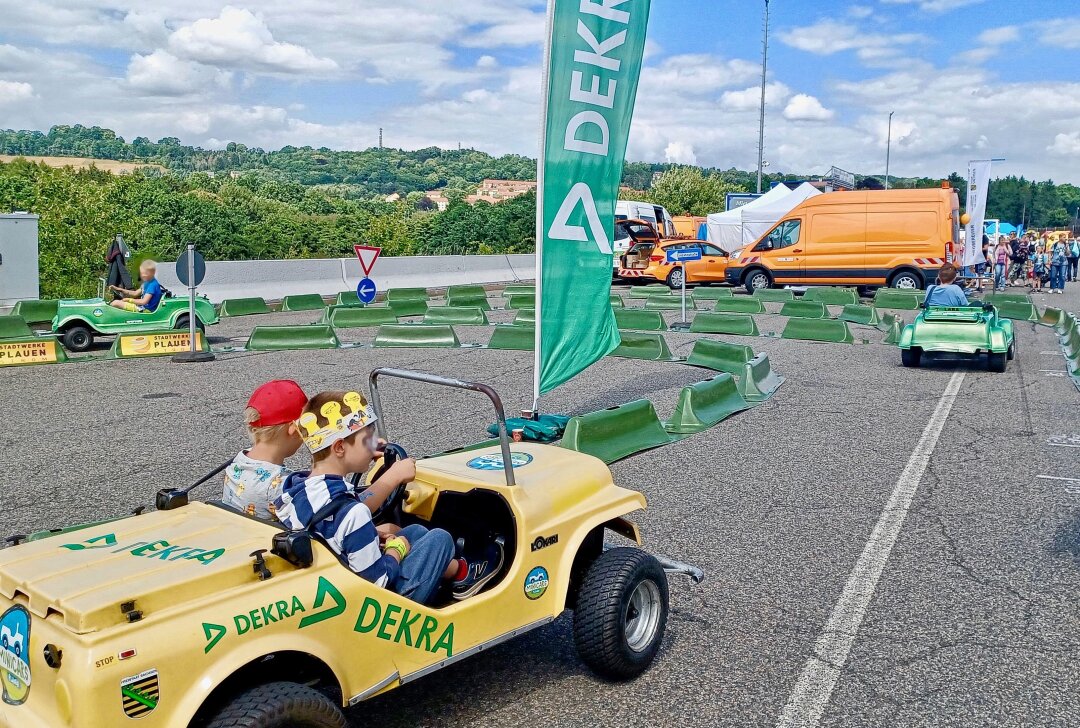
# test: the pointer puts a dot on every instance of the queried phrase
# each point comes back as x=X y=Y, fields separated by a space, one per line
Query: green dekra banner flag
x=594 y=55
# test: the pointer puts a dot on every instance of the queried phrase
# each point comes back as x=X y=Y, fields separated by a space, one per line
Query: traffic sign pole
x=683 y=266
x=193 y=279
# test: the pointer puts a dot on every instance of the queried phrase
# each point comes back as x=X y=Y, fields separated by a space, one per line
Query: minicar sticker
x=14 y=655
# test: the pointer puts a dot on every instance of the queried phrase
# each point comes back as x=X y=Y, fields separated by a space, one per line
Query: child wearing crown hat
x=338 y=429
x=255 y=477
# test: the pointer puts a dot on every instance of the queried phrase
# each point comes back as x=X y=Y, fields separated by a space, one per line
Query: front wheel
x=997 y=362
x=78 y=338
x=1011 y=353
x=911 y=357
x=280 y=705
x=757 y=280
x=621 y=613
x=676 y=278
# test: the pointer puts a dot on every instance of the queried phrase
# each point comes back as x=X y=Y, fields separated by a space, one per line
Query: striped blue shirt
x=350 y=532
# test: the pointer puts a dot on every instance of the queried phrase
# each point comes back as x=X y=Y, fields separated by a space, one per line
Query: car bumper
x=733 y=275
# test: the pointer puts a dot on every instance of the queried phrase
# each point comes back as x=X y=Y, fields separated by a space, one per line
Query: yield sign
x=367 y=255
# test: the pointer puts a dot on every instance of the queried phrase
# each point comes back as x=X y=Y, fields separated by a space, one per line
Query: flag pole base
x=188 y=357
x=679 y=326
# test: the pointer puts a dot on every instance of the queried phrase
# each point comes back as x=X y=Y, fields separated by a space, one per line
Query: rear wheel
x=997 y=362
x=1011 y=352
x=183 y=322
x=906 y=279
x=621 y=613
x=757 y=280
x=911 y=357
x=280 y=705
x=676 y=278
x=78 y=338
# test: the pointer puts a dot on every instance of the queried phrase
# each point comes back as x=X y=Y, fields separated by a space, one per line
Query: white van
x=656 y=214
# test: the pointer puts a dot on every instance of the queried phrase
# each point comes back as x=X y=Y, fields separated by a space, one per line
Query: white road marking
x=821 y=672
x=1058 y=477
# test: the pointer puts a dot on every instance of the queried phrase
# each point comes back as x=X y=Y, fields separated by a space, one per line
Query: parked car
x=656 y=215
x=629 y=233
x=648 y=261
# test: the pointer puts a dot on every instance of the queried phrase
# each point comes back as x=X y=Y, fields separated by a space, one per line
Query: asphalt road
x=975 y=618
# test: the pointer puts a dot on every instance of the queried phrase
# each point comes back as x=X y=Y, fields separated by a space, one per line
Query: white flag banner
x=978 y=181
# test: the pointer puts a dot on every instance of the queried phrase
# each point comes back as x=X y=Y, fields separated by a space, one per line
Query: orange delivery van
x=898 y=238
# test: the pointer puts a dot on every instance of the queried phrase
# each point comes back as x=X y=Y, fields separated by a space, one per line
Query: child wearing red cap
x=256 y=475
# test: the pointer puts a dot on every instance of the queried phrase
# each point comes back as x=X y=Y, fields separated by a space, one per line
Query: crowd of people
x=1041 y=263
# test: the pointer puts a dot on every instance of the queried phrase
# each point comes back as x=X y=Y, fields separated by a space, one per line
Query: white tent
x=733 y=229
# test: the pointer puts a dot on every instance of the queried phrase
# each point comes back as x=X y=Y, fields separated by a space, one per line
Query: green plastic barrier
x=652 y=347
x=303 y=302
x=894 y=327
x=1068 y=325
x=514 y=338
x=736 y=324
x=358 y=317
x=14 y=327
x=468 y=300
x=859 y=314
x=996 y=298
x=650 y=290
x=276 y=338
x=514 y=290
x=720 y=356
x=416 y=336
x=636 y=318
x=1053 y=317
x=408 y=307
x=525 y=316
x=668 y=303
x=617 y=432
x=704 y=404
x=31 y=350
x=804 y=309
x=616 y=301
x=1017 y=311
x=830 y=330
x=710 y=293
x=740 y=304
x=348 y=298
x=243 y=307
x=774 y=295
x=521 y=300
x=897 y=299
x=36 y=310
x=460 y=315
x=831 y=295
x=1071 y=345
x=406 y=294
x=466 y=290
x=758 y=381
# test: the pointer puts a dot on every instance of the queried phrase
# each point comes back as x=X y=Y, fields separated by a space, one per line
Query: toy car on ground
x=188 y=617
x=959 y=330
x=77 y=322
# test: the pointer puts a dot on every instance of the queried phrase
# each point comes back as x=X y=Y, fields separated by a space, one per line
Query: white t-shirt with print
x=252 y=485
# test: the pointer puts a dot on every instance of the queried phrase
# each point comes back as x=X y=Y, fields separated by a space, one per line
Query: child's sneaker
x=478 y=572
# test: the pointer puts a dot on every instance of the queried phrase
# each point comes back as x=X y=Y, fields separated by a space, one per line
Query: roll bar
x=500 y=414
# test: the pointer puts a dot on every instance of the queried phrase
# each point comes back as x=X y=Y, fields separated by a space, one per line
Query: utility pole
x=761 y=121
x=888 y=150
x=380 y=137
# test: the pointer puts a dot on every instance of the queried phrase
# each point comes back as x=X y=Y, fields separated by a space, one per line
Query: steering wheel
x=392 y=505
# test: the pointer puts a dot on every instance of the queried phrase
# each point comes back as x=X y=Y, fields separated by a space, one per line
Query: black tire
x=757 y=279
x=907 y=279
x=182 y=323
x=621 y=588
x=997 y=362
x=675 y=278
x=280 y=705
x=1011 y=353
x=911 y=357
x=78 y=338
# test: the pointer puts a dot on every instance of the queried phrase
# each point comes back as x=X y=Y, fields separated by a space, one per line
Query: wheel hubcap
x=905 y=282
x=642 y=615
x=760 y=281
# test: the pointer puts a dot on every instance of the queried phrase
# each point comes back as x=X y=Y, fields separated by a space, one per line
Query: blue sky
x=966 y=78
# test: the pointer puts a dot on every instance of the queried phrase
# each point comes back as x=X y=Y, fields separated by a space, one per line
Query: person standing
x=1058 y=263
x=1018 y=253
x=1072 y=255
x=1040 y=267
x=1001 y=261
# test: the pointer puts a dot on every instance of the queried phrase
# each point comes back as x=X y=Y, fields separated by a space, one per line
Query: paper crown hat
x=339 y=424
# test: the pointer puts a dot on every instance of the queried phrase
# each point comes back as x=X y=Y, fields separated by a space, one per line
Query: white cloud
x=1062 y=33
x=239 y=39
x=860 y=11
x=12 y=91
x=163 y=74
x=999 y=36
x=487 y=62
x=749 y=99
x=935 y=6
x=827 y=37
x=680 y=153
x=803 y=107
x=1066 y=144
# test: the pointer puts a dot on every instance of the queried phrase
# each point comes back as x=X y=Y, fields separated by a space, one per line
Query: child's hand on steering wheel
x=403 y=471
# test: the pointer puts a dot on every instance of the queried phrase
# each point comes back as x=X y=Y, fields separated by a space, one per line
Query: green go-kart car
x=972 y=330
x=77 y=322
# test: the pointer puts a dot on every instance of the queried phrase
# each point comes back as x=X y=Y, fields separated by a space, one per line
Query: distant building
x=438 y=198
x=393 y=197
x=498 y=190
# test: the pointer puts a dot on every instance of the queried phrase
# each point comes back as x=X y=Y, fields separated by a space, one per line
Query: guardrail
x=276 y=279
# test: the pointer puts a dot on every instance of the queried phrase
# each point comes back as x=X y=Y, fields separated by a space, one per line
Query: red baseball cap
x=277 y=402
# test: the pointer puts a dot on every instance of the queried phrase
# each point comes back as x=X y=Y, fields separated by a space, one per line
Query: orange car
x=648 y=261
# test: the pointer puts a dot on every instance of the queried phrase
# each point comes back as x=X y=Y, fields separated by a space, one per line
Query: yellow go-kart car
x=196 y=615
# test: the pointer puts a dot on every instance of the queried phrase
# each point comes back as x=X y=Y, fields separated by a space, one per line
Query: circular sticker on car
x=98 y=312
x=536 y=583
x=495 y=461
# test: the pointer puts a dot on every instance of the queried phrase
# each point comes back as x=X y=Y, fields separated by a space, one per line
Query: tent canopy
x=736 y=228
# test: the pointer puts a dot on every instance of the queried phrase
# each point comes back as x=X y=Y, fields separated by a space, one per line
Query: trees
x=689 y=191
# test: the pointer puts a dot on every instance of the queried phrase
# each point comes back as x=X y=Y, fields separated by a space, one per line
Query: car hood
x=156 y=560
